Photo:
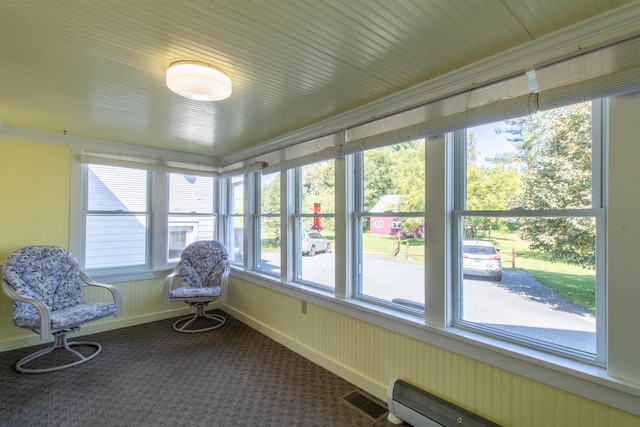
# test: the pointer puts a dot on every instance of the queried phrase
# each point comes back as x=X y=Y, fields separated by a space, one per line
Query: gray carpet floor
x=150 y=375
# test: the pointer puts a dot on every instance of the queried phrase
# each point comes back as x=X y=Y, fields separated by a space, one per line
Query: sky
x=489 y=143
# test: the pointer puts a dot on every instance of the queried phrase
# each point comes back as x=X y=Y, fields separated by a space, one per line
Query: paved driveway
x=523 y=306
x=517 y=305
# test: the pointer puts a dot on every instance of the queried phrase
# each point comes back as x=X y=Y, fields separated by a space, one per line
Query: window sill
x=129 y=275
x=577 y=377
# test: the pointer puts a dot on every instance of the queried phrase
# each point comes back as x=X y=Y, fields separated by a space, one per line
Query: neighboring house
x=120 y=238
x=384 y=224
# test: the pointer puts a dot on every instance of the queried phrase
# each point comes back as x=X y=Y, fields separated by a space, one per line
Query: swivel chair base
x=59 y=343
x=183 y=324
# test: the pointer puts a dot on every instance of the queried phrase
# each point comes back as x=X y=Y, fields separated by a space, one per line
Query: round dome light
x=198 y=81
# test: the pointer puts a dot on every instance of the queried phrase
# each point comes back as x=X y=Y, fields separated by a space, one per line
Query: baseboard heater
x=408 y=403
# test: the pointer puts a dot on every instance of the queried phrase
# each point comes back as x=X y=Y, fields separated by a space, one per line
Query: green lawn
x=380 y=245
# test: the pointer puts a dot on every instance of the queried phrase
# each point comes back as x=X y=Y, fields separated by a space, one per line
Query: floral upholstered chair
x=45 y=283
x=204 y=271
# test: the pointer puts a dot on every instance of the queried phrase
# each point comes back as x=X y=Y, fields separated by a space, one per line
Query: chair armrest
x=224 y=281
x=168 y=282
x=114 y=291
x=41 y=308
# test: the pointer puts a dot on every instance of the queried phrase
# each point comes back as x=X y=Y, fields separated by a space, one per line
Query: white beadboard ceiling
x=96 y=68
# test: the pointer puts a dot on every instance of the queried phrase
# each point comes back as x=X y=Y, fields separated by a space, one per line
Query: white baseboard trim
x=89 y=329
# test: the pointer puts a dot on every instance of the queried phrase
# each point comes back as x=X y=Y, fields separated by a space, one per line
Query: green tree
x=527 y=135
x=379 y=180
x=491 y=188
x=408 y=176
x=397 y=169
x=558 y=176
x=496 y=186
x=270 y=204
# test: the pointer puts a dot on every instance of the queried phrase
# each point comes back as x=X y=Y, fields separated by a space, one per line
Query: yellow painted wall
x=34 y=189
x=370 y=356
x=34 y=210
x=34 y=184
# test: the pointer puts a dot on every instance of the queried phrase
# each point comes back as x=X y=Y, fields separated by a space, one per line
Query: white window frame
x=147 y=213
x=596 y=211
x=357 y=220
x=245 y=242
x=157 y=264
x=257 y=225
x=297 y=218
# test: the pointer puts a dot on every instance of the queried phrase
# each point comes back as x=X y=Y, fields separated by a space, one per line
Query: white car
x=480 y=258
x=313 y=242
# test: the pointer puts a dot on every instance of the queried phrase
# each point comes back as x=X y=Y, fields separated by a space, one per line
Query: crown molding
x=77 y=143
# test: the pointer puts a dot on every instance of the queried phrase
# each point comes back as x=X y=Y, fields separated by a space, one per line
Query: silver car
x=480 y=258
x=313 y=242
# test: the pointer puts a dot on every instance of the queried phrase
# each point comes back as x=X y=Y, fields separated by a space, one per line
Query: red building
x=385 y=225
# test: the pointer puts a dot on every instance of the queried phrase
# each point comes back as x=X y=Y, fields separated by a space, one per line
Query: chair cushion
x=188 y=292
x=46 y=273
x=203 y=264
x=66 y=317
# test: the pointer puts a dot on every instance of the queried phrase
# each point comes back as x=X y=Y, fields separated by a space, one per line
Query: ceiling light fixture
x=198 y=81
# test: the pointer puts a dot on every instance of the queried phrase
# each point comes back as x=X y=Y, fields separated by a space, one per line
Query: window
x=235 y=218
x=529 y=221
x=391 y=252
x=268 y=226
x=315 y=224
x=120 y=210
x=116 y=220
x=190 y=212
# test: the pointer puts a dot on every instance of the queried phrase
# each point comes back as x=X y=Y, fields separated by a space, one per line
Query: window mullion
x=439 y=159
x=357 y=187
x=250 y=217
x=343 y=244
x=287 y=209
x=159 y=212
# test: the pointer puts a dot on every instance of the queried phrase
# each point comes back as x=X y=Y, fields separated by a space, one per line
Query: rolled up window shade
x=149 y=163
x=445 y=113
x=311 y=151
x=315 y=150
x=440 y=124
x=609 y=71
x=600 y=72
x=506 y=98
x=242 y=168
